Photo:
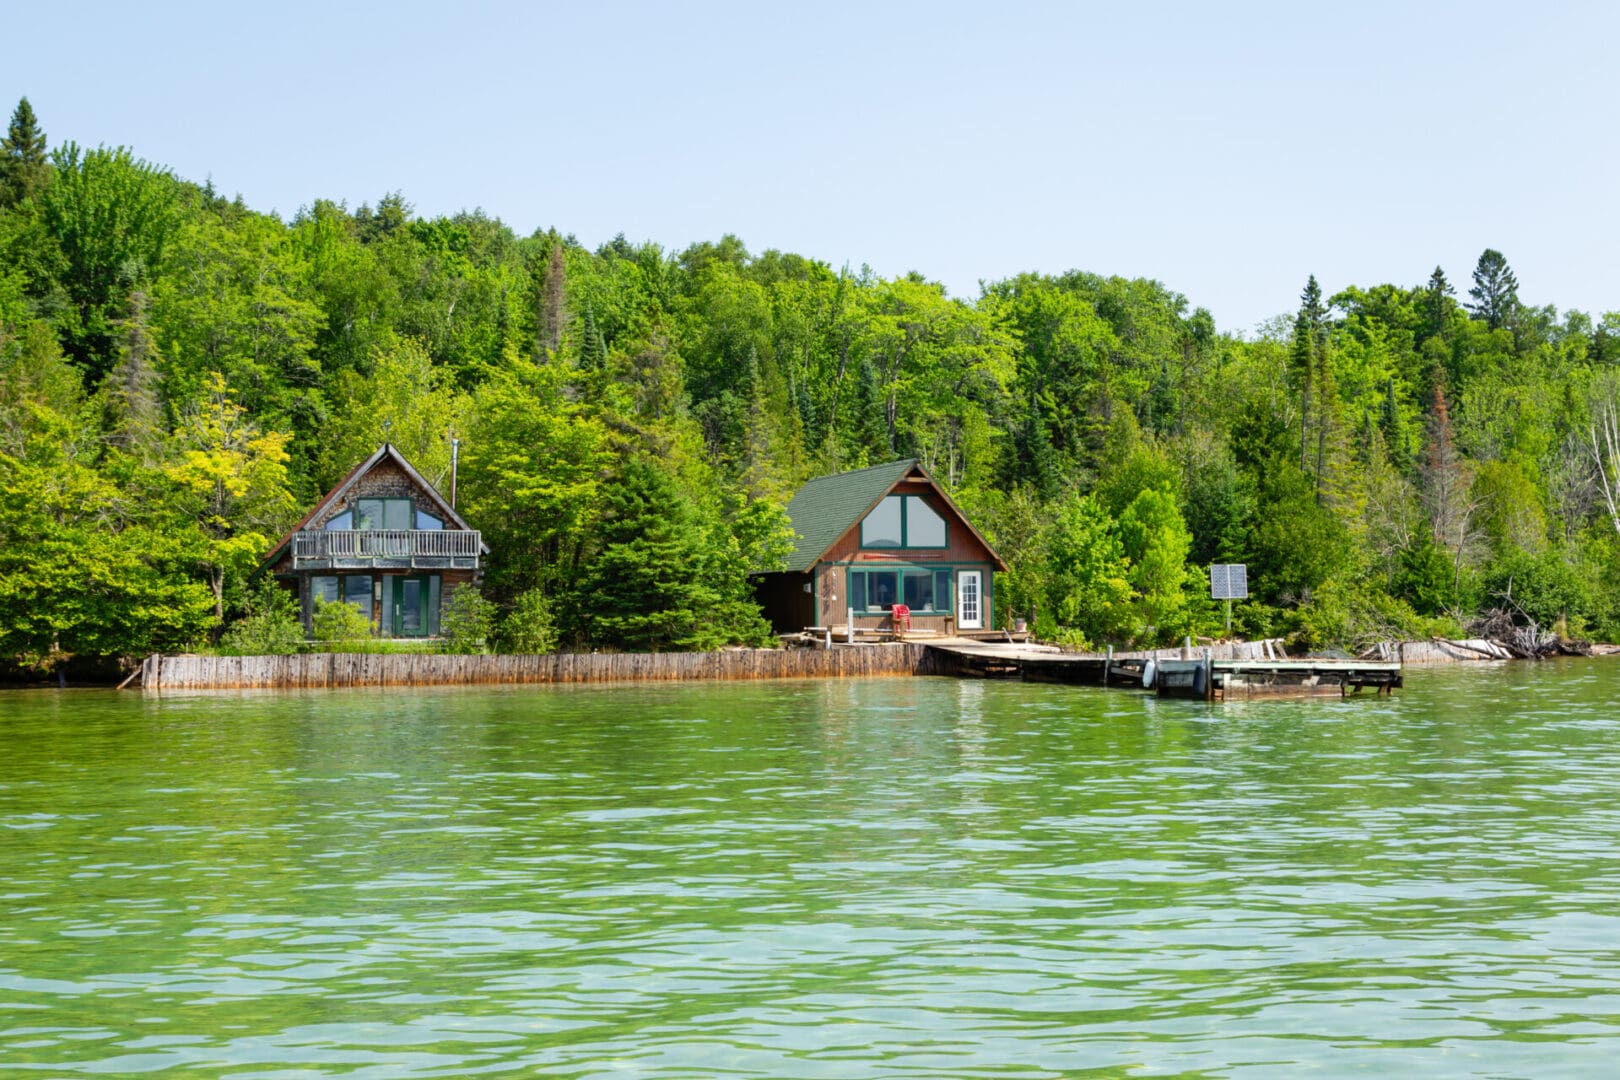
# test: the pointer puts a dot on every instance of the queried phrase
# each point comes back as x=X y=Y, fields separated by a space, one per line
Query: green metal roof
x=825 y=508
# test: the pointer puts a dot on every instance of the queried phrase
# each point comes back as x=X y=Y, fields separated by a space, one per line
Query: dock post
x=1186 y=647
x=849 y=626
x=1108 y=663
x=1209 y=674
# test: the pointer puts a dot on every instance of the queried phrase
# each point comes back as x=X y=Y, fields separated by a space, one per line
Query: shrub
x=467 y=622
x=529 y=629
x=270 y=627
x=341 y=624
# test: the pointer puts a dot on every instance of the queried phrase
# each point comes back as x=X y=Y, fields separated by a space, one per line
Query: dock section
x=1170 y=673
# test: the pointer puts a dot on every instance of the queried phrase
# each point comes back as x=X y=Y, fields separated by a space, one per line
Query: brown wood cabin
x=384 y=540
x=876 y=537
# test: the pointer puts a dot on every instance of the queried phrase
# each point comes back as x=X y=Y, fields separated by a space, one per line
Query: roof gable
x=387 y=452
x=826 y=508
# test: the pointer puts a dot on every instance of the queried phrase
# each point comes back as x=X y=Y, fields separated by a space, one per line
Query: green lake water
x=883 y=878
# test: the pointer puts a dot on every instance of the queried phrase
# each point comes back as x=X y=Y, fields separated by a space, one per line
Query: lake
x=870 y=878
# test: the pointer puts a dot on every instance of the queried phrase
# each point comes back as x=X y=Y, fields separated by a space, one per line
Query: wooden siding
x=963 y=551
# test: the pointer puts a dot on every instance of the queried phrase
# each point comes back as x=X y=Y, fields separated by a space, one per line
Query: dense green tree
x=78 y=574
x=531 y=473
x=1495 y=291
x=24 y=166
x=1377 y=457
x=231 y=479
x=660 y=579
x=1155 y=540
x=113 y=218
x=1088 y=589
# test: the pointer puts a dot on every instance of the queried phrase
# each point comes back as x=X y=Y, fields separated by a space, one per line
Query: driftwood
x=1525 y=640
x=1497 y=635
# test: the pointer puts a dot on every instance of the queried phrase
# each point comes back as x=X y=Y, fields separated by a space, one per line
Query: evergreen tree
x=661 y=580
x=1495 y=291
x=1436 y=304
x=592 y=347
x=1302 y=364
x=1308 y=356
x=134 y=416
x=24 y=169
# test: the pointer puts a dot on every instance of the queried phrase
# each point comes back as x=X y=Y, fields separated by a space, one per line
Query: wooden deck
x=1168 y=674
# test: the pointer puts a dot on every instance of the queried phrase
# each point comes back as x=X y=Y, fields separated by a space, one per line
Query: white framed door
x=970 y=599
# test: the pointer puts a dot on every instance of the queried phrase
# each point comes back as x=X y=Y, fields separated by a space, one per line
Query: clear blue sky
x=1226 y=149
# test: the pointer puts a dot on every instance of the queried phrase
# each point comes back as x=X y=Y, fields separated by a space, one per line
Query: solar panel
x=1229 y=581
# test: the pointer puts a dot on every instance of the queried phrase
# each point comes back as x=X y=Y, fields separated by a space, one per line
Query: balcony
x=402 y=549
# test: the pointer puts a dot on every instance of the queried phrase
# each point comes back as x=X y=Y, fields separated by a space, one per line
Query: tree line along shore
x=180 y=375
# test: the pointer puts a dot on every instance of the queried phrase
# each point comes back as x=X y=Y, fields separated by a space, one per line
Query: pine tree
x=1394 y=429
x=1495 y=291
x=593 y=349
x=24 y=170
x=662 y=580
x=1303 y=365
x=1436 y=303
x=1306 y=356
x=134 y=417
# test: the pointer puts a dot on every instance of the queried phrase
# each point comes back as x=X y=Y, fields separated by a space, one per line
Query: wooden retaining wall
x=332 y=670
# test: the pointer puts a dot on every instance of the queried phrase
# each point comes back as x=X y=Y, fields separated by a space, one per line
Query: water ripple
x=890 y=879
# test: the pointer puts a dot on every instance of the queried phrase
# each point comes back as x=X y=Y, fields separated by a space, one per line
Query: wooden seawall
x=334 y=670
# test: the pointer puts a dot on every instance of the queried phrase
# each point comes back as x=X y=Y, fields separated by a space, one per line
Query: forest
x=181 y=376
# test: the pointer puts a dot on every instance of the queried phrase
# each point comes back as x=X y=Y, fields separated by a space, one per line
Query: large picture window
x=383 y=513
x=924 y=591
x=903 y=521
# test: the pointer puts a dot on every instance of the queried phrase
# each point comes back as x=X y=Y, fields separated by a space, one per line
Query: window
x=926 y=592
x=341 y=522
x=425 y=520
x=357 y=591
x=924 y=528
x=350 y=588
x=885 y=525
x=383 y=513
x=324 y=589
x=903 y=521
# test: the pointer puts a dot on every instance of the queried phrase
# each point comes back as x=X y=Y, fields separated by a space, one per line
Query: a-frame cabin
x=384 y=540
x=873 y=538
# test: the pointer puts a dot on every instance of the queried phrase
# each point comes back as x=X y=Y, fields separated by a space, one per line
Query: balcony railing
x=322 y=548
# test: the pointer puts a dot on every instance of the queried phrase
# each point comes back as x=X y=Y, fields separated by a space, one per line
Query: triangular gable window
x=903 y=521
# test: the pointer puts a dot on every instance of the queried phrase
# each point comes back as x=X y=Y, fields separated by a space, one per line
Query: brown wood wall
x=333 y=670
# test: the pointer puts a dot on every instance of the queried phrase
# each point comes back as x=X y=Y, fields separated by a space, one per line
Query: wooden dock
x=1170 y=673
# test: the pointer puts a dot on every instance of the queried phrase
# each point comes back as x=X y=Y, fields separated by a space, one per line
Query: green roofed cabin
x=877 y=537
x=384 y=540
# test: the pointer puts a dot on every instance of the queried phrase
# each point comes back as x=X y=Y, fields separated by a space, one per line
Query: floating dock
x=1174 y=675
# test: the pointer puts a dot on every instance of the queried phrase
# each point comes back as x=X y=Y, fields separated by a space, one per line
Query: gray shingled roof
x=825 y=508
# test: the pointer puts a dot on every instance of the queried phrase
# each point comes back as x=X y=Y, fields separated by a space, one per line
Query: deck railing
x=365 y=545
